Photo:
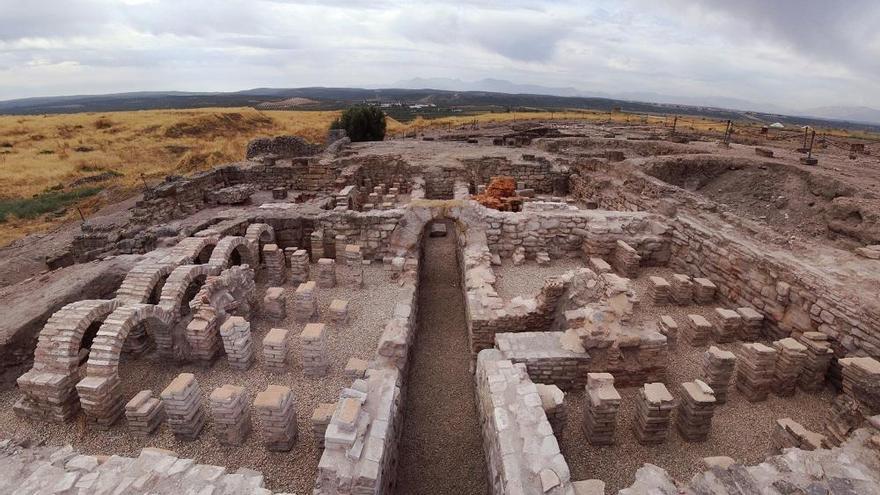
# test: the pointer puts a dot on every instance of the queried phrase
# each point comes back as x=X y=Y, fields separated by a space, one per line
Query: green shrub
x=362 y=123
x=43 y=203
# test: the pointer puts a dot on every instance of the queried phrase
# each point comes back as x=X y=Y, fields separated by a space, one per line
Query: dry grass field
x=50 y=165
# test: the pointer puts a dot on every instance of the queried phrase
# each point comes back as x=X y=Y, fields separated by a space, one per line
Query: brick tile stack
x=755 y=371
x=231 y=414
x=602 y=404
x=658 y=290
x=697 y=330
x=339 y=248
x=599 y=266
x=275 y=304
x=717 y=372
x=819 y=354
x=843 y=417
x=338 y=311
x=203 y=336
x=237 y=342
x=144 y=413
x=273 y=259
x=354 y=260
x=542 y=258
x=753 y=323
x=320 y=419
x=790 y=358
x=653 y=414
x=669 y=328
x=788 y=433
x=313 y=339
x=182 y=399
x=305 y=302
x=704 y=291
x=626 y=260
x=316 y=241
x=695 y=411
x=355 y=368
x=101 y=400
x=326 y=276
x=552 y=401
x=275 y=349
x=682 y=289
x=276 y=413
x=299 y=266
x=728 y=328
x=861 y=376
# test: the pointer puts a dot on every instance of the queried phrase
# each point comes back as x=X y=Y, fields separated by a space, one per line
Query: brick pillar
x=144 y=413
x=314 y=350
x=695 y=411
x=299 y=266
x=669 y=327
x=704 y=291
x=183 y=405
x=275 y=349
x=305 y=302
x=273 y=259
x=728 y=328
x=626 y=260
x=338 y=311
x=275 y=304
x=320 y=419
x=682 y=289
x=101 y=399
x=600 y=416
x=753 y=324
x=755 y=371
x=326 y=276
x=659 y=290
x=790 y=359
x=552 y=401
x=697 y=330
x=354 y=260
x=819 y=354
x=718 y=369
x=317 y=244
x=276 y=413
x=232 y=416
x=653 y=414
x=236 y=334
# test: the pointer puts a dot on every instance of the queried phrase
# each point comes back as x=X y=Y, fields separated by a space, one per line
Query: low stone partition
x=512 y=419
x=545 y=358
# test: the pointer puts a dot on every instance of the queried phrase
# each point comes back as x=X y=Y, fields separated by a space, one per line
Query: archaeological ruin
x=562 y=308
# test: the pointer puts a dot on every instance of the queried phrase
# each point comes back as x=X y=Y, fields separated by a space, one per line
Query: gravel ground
x=740 y=429
x=527 y=279
x=441 y=448
x=294 y=471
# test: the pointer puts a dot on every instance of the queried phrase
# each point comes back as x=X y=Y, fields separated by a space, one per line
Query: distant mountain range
x=484 y=95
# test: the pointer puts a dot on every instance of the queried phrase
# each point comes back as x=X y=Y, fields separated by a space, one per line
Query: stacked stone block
x=313 y=339
x=237 y=342
x=276 y=412
x=626 y=259
x=275 y=304
x=275 y=349
x=144 y=413
x=819 y=354
x=704 y=291
x=861 y=379
x=231 y=414
x=695 y=411
x=653 y=414
x=755 y=371
x=299 y=266
x=682 y=289
x=316 y=241
x=790 y=358
x=669 y=327
x=791 y=434
x=339 y=248
x=718 y=370
x=753 y=322
x=320 y=419
x=697 y=330
x=599 y=265
x=354 y=259
x=101 y=399
x=183 y=406
x=273 y=259
x=603 y=402
x=552 y=401
x=326 y=276
x=728 y=328
x=659 y=290
x=339 y=311
x=203 y=335
x=305 y=302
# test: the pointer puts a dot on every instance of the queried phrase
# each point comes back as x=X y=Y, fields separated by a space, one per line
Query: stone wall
x=533 y=172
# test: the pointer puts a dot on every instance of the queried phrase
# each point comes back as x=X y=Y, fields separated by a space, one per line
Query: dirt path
x=441 y=450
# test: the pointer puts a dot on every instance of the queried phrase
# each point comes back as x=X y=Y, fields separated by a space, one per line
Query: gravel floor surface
x=369 y=309
x=740 y=429
x=527 y=279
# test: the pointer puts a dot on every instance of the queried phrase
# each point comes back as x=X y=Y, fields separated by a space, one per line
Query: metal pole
x=810 y=150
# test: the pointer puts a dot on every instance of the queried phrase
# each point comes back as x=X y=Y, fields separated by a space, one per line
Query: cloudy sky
x=793 y=53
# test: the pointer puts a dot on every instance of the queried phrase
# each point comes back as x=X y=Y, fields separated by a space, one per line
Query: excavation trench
x=441 y=449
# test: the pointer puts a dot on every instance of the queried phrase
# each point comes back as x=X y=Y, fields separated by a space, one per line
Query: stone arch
x=406 y=236
x=228 y=248
x=174 y=293
x=50 y=386
x=195 y=249
x=230 y=293
x=142 y=282
x=258 y=235
x=104 y=358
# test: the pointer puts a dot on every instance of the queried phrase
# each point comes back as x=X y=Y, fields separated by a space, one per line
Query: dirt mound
x=501 y=195
x=221 y=124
